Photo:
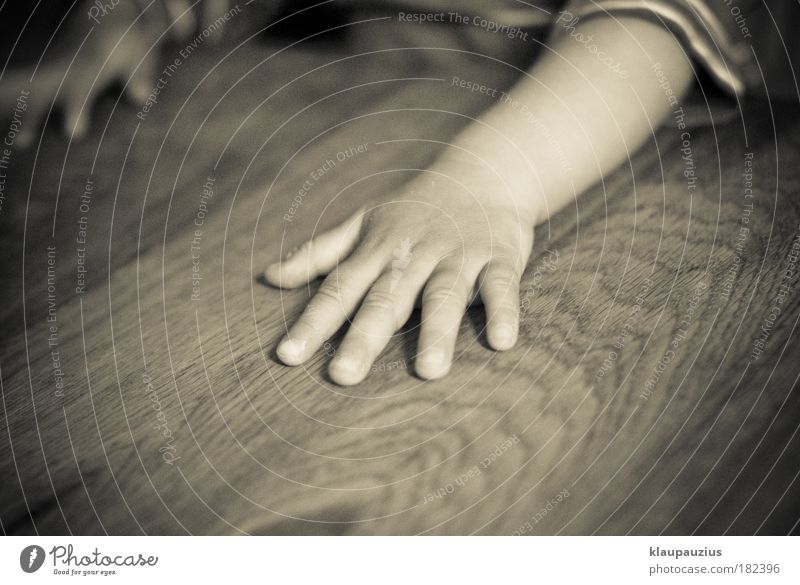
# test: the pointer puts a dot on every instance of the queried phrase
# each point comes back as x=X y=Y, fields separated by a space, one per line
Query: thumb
x=317 y=256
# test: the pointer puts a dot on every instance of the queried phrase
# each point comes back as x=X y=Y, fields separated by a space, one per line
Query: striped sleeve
x=715 y=33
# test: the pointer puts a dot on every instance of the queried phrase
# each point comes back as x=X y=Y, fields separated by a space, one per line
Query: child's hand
x=94 y=50
x=434 y=237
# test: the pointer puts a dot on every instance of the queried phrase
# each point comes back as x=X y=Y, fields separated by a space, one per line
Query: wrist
x=494 y=169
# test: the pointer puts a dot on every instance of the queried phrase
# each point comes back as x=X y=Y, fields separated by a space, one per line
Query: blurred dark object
x=25 y=30
x=777 y=47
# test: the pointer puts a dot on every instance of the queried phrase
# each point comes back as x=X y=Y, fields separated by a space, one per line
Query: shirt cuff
x=712 y=36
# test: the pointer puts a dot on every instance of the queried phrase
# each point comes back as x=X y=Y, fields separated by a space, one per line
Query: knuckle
x=507 y=246
x=341 y=284
x=506 y=252
x=442 y=293
x=375 y=244
x=380 y=301
x=506 y=279
x=329 y=292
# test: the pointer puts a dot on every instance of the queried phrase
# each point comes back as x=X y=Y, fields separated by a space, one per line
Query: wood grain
x=543 y=439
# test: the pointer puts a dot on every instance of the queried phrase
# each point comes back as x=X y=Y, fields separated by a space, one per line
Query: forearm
x=573 y=118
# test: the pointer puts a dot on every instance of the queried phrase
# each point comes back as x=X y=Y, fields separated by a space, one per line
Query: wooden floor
x=633 y=403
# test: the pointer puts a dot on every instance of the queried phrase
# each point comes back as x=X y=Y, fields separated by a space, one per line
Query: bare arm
x=579 y=112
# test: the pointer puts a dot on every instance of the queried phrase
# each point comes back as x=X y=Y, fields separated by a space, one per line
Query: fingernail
x=432 y=356
x=347 y=370
x=349 y=364
x=504 y=336
x=291 y=351
x=272 y=272
x=432 y=361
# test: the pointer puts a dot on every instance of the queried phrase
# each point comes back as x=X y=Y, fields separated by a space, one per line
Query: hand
x=90 y=54
x=434 y=239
